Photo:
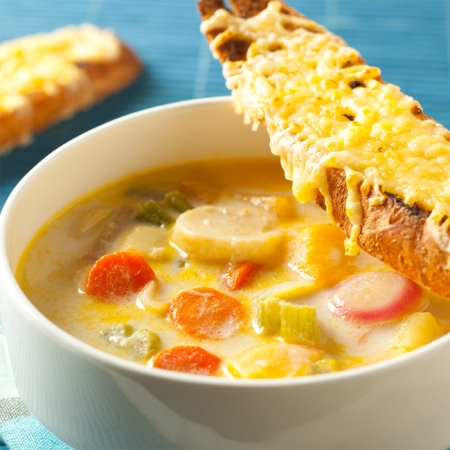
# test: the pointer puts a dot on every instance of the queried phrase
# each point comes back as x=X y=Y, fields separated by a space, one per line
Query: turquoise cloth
x=408 y=39
x=32 y=436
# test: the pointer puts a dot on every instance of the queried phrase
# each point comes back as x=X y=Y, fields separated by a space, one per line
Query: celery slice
x=299 y=324
x=117 y=334
x=143 y=344
x=268 y=316
x=177 y=201
x=137 y=346
x=152 y=212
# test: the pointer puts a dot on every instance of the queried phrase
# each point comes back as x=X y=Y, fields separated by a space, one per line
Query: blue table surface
x=408 y=39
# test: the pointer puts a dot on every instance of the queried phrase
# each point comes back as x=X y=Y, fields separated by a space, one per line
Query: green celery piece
x=117 y=334
x=177 y=201
x=268 y=315
x=299 y=324
x=143 y=344
x=153 y=213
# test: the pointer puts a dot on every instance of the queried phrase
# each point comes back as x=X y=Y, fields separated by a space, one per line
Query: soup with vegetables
x=213 y=268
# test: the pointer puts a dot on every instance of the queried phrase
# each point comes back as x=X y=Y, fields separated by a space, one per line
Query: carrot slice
x=117 y=275
x=239 y=275
x=206 y=313
x=187 y=359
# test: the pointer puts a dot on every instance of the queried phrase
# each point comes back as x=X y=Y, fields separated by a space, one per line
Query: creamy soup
x=214 y=268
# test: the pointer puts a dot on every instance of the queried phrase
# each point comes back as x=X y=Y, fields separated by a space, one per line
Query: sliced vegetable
x=268 y=316
x=299 y=324
x=152 y=212
x=143 y=344
x=117 y=334
x=318 y=252
x=188 y=359
x=151 y=298
x=277 y=360
x=416 y=330
x=148 y=240
x=239 y=275
x=292 y=322
x=206 y=313
x=292 y=290
x=138 y=345
x=231 y=233
x=117 y=275
x=176 y=201
x=376 y=297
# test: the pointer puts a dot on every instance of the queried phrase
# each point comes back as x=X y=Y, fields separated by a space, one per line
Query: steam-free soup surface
x=213 y=268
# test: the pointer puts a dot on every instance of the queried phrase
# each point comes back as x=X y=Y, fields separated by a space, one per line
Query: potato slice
x=229 y=233
x=148 y=240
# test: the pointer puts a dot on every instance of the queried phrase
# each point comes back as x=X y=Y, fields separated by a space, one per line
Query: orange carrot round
x=239 y=275
x=117 y=275
x=187 y=359
x=206 y=313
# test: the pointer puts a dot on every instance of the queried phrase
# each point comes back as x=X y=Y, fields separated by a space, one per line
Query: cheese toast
x=49 y=77
x=357 y=145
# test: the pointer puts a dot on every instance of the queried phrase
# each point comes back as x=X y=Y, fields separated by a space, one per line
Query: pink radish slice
x=376 y=297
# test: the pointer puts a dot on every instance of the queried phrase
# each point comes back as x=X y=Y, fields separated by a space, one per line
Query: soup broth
x=214 y=268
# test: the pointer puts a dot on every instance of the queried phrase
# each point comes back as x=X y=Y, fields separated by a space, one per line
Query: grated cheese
x=45 y=61
x=325 y=108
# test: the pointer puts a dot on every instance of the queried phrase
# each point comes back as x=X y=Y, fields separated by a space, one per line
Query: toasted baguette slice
x=49 y=77
x=360 y=147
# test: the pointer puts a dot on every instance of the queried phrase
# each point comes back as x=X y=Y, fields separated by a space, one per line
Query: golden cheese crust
x=390 y=229
x=50 y=77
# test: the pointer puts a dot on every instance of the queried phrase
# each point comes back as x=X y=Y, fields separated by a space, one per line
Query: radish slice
x=376 y=297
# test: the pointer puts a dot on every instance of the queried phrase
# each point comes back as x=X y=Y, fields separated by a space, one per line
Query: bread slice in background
x=381 y=169
x=48 y=77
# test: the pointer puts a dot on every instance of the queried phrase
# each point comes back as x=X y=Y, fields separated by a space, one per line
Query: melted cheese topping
x=324 y=107
x=43 y=62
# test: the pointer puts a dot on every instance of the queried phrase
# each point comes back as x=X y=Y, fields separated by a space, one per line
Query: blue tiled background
x=408 y=39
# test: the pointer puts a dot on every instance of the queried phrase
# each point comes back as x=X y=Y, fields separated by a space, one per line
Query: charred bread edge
x=100 y=80
x=393 y=232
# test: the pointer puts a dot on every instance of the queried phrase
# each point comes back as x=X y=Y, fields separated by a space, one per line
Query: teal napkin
x=19 y=430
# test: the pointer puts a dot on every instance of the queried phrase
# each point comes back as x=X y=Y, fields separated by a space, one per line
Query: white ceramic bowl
x=92 y=400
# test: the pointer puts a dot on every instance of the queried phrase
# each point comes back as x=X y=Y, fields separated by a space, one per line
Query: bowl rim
x=106 y=360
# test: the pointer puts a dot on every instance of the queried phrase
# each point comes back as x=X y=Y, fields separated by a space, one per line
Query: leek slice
x=176 y=201
x=152 y=212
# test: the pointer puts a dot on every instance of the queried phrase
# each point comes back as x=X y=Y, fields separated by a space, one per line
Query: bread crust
x=393 y=232
x=97 y=79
